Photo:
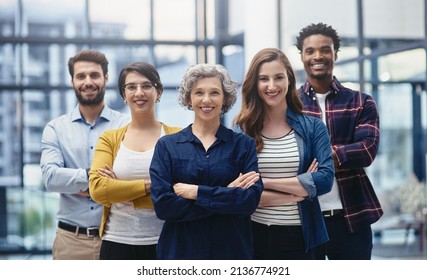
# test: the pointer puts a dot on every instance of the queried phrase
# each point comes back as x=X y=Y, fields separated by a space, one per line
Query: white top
x=126 y=224
x=330 y=200
x=279 y=158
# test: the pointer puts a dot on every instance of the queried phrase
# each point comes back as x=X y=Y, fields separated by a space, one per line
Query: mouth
x=207 y=109
x=90 y=90
x=272 y=93
x=140 y=102
x=318 y=65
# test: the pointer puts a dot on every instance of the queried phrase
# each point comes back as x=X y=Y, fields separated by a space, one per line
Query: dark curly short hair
x=315 y=29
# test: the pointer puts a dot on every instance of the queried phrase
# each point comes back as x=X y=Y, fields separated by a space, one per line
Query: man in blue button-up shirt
x=67 y=149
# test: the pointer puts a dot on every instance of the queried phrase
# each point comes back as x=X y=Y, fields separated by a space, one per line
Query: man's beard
x=98 y=99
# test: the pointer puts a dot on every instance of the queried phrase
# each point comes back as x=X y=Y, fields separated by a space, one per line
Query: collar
x=334 y=87
x=223 y=134
x=106 y=114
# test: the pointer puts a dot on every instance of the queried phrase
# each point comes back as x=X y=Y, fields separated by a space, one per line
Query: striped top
x=279 y=158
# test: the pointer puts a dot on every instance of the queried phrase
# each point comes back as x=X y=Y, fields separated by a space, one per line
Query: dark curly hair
x=315 y=29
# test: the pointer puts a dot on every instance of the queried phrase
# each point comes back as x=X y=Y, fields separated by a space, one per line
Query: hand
x=187 y=191
x=244 y=181
x=313 y=166
x=107 y=172
x=85 y=193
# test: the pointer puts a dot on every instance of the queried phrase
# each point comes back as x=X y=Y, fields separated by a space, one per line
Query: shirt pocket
x=185 y=170
x=227 y=170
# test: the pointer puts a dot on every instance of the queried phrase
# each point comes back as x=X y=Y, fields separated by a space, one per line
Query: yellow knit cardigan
x=107 y=191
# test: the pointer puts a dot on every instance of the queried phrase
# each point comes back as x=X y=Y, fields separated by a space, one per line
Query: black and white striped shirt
x=279 y=158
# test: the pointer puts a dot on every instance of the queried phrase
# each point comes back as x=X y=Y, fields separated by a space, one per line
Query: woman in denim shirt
x=196 y=181
x=294 y=156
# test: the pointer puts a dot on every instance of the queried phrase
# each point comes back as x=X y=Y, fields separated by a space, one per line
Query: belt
x=331 y=213
x=91 y=232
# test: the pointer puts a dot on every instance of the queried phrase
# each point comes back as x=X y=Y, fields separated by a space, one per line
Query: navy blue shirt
x=217 y=225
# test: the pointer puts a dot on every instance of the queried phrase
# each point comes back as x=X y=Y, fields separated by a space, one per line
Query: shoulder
x=116 y=131
x=238 y=136
x=60 y=121
x=171 y=129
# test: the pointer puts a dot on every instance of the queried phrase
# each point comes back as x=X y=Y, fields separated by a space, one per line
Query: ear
x=336 y=56
x=106 y=77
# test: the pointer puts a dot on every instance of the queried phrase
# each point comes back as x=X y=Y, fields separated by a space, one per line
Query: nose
x=139 y=90
x=271 y=83
x=88 y=80
x=317 y=54
x=206 y=98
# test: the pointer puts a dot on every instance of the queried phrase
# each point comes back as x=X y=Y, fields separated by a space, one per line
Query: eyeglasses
x=132 y=87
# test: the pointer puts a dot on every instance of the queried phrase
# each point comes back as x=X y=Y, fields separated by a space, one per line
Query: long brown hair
x=252 y=112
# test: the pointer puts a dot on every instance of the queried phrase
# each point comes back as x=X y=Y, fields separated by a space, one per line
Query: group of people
x=287 y=181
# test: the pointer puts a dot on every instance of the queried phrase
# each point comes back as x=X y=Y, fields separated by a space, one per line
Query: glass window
x=172 y=62
x=174 y=20
x=124 y=19
x=8 y=64
x=394 y=161
x=171 y=112
x=7 y=17
x=403 y=66
x=44 y=18
x=9 y=137
x=393 y=19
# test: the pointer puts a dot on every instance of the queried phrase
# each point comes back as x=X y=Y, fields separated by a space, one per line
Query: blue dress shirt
x=68 y=144
x=217 y=225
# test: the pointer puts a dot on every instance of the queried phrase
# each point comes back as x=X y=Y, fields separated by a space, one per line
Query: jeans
x=342 y=244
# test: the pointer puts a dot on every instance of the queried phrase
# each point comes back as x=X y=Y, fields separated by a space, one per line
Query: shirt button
x=91 y=147
x=91 y=208
x=207 y=156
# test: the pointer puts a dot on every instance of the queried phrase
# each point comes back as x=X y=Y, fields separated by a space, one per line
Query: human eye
x=146 y=86
x=326 y=51
x=80 y=76
x=130 y=87
x=263 y=78
x=308 y=51
x=95 y=75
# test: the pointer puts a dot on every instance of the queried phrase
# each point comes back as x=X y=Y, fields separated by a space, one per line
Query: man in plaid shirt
x=353 y=123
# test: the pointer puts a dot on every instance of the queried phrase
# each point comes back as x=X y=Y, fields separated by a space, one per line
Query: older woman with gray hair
x=205 y=182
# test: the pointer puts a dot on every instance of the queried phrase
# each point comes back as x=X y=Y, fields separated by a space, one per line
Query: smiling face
x=142 y=98
x=273 y=83
x=89 y=83
x=318 y=56
x=207 y=99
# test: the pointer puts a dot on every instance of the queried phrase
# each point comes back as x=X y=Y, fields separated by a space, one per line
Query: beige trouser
x=75 y=246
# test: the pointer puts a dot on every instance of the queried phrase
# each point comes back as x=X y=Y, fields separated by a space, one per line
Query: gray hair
x=199 y=71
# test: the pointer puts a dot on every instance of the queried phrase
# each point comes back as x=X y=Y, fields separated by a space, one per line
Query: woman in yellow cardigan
x=119 y=176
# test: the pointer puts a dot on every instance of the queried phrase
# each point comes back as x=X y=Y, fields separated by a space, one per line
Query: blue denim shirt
x=217 y=224
x=313 y=142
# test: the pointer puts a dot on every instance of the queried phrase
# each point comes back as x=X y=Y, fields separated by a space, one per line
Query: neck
x=145 y=122
x=276 y=114
x=91 y=113
x=321 y=85
x=201 y=128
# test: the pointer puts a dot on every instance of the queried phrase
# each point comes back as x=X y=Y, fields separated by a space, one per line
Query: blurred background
x=383 y=53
